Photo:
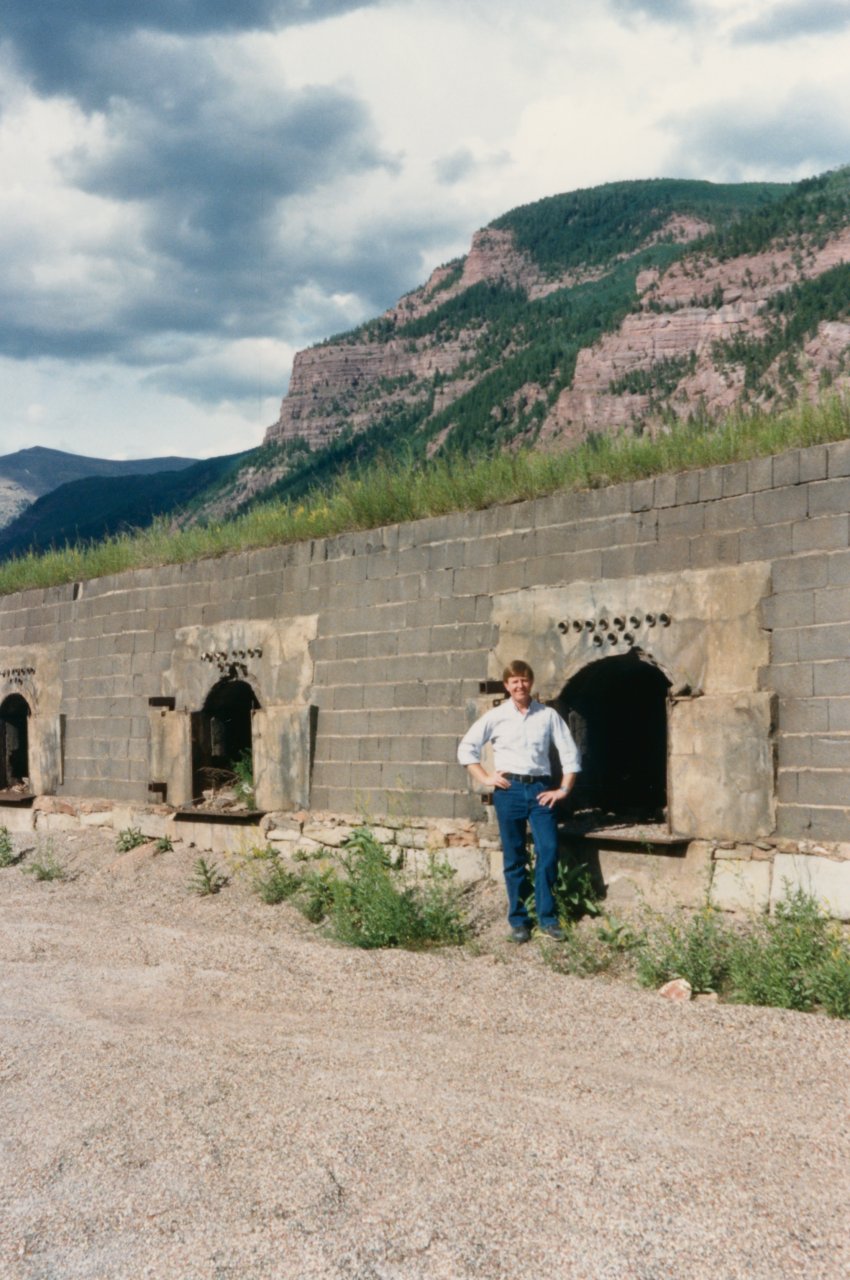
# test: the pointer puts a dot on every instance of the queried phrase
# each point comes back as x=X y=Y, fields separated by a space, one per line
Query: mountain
x=30 y=473
x=96 y=506
x=619 y=307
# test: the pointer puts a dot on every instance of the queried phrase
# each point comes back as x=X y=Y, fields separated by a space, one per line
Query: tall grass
x=391 y=491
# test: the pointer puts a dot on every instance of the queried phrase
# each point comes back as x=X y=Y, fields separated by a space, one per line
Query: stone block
x=730 y=513
x=820 y=643
x=16 y=818
x=821 y=533
x=759 y=474
x=768 y=543
x=734 y=479
x=838 y=458
x=657 y=881
x=813 y=463
x=778 y=505
x=786 y=468
x=101 y=819
x=826 y=880
x=56 y=822
x=710 y=484
x=832 y=604
x=221 y=838
x=741 y=885
x=721 y=766
x=800 y=573
x=832 y=678
x=829 y=495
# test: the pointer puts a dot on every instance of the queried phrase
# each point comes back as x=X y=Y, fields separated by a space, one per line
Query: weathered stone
x=678 y=990
x=825 y=879
x=741 y=885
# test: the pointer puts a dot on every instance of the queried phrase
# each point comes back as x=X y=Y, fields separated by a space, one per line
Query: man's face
x=519 y=689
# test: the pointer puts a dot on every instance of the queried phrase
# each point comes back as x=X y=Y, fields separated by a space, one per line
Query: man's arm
x=551 y=798
x=495 y=779
x=469 y=754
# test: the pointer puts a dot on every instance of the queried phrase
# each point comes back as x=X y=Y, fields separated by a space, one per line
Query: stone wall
x=369 y=653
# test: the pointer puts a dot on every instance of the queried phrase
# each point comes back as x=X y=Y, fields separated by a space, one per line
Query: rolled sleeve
x=472 y=743
x=568 y=752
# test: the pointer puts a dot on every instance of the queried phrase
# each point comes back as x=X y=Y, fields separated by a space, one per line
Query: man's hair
x=517 y=668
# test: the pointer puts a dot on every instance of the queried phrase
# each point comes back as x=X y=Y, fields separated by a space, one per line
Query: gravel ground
x=207 y=1088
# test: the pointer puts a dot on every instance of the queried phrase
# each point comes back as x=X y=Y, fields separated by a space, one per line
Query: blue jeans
x=516 y=809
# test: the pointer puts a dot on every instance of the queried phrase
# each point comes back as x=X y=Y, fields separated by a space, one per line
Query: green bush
x=7 y=852
x=206 y=879
x=370 y=906
x=696 y=949
x=794 y=959
x=129 y=838
x=46 y=866
x=276 y=884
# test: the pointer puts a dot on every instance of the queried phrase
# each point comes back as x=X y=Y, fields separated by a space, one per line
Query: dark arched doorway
x=14 y=743
x=617 y=712
x=222 y=736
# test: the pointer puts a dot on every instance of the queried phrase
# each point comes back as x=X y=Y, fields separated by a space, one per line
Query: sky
x=192 y=192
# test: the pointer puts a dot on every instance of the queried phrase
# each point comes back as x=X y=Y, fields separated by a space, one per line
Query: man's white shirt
x=521 y=742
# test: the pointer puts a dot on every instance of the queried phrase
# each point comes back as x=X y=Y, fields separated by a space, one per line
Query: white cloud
x=206 y=197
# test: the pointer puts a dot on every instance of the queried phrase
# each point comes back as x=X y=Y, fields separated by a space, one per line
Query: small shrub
x=7 y=852
x=575 y=892
x=206 y=879
x=370 y=905
x=316 y=894
x=833 y=980
x=243 y=768
x=129 y=838
x=46 y=866
x=697 y=950
x=277 y=884
x=780 y=961
x=163 y=844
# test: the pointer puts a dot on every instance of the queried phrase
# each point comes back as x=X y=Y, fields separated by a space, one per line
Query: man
x=523 y=732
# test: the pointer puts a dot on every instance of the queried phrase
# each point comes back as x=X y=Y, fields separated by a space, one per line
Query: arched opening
x=14 y=744
x=222 y=751
x=617 y=712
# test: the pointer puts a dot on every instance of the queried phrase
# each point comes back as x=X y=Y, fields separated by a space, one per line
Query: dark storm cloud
x=796 y=18
x=66 y=47
x=811 y=135
x=205 y=155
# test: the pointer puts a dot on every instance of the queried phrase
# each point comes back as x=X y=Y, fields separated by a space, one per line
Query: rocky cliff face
x=505 y=345
x=685 y=313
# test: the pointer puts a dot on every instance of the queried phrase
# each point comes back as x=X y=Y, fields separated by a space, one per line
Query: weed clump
x=46 y=865
x=697 y=949
x=206 y=879
x=129 y=838
x=795 y=959
x=366 y=902
x=7 y=852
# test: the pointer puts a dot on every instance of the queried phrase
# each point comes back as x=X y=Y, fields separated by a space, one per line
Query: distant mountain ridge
x=30 y=473
x=619 y=308
x=614 y=308
x=96 y=506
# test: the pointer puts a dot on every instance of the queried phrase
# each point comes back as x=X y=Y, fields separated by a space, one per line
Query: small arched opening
x=617 y=712
x=14 y=743
x=222 y=748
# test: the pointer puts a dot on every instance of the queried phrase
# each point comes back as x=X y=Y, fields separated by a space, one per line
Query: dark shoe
x=553 y=931
x=521 y=934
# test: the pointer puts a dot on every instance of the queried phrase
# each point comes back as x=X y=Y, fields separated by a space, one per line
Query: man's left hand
x=550 y=798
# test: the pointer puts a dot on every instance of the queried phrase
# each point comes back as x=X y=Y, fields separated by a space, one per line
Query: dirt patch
x=204 y=1088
